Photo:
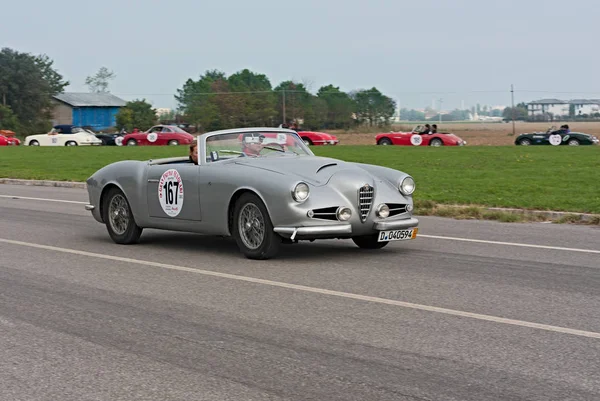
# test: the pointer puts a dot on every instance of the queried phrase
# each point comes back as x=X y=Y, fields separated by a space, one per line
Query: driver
x=252 y=143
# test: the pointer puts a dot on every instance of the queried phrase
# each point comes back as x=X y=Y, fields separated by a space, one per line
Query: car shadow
x=226 y=246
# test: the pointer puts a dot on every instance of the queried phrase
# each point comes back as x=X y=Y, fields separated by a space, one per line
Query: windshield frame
x=202 y=139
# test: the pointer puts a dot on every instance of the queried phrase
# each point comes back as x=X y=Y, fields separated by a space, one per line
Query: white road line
x=315 y=290
x=41 y=199
x=510 y=243
x=558 y=248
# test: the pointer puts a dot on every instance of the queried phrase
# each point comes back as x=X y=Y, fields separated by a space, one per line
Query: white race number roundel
x=555 y=139
x=119 y=141
x=152 y=137
x=416 y=139
x=170 y=192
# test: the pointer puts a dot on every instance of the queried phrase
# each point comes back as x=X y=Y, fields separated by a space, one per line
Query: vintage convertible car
x=417 y=138
x=318 y=138
x=555 y=137
x=8 y=138
x=158 y=135
x=263 y=186
x=63 y=135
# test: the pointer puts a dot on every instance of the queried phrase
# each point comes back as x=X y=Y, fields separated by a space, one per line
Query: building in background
x=95 y=110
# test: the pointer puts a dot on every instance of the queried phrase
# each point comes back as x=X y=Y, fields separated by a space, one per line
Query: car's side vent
x=326 y=213
x=366 y=193
x=396 y=208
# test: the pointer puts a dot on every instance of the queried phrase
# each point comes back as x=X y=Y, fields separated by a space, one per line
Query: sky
x=417 y=52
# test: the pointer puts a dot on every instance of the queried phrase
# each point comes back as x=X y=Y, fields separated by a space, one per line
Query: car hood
x=315 y=170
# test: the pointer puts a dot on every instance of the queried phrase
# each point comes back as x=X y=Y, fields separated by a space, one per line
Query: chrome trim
x=89 y=207
x=366 y=189
x=315 y=230
x=153 y=180
x=396 y=224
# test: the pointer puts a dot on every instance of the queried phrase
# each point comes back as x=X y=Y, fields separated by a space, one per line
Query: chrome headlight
x=382 y=210
x=300 y=192
x=343 y=213
x=407 y=186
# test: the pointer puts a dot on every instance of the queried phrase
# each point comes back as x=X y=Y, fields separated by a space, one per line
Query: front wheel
x=436 y=142
x=252 y=228
x=173 y=142
x=384 y=141
x=117 y=216
x=369 y=242
x=573 y=142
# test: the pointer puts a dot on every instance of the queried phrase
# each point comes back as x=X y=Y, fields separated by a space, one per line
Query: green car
x=556 y=137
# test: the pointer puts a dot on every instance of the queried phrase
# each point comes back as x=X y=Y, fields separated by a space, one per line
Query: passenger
x=194 y=151
x=426 y=130
x=433 y=129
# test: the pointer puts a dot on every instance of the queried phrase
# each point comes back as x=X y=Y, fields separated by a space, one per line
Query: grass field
x=545 y=178
x=475 y=133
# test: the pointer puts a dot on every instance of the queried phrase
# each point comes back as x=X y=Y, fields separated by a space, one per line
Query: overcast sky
x=413 y=51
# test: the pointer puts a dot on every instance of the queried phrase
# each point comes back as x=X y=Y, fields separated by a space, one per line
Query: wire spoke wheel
x=251 y=226
x=118 y=214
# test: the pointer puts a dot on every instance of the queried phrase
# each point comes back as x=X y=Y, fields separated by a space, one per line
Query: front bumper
x=344 y=230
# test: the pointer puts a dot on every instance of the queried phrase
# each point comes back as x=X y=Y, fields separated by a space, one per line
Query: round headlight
x=383 y=210
x=407 y=186
x=300 y=192
x=343 y=213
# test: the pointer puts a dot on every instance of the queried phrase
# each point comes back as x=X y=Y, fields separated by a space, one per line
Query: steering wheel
x=273 y=143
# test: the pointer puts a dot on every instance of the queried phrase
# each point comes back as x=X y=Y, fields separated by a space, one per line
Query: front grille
x=396 y=208
x=365 y=200
x=326 y=213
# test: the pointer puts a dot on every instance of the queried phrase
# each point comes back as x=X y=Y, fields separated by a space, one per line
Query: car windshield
x=254 y=144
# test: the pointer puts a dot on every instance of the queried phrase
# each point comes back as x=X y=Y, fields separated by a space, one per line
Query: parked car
x=280 y=192
x=159 y=135
x=318 y=138
x=417 y=138
x=63 y=135
x=8 y=138
x=555 y=137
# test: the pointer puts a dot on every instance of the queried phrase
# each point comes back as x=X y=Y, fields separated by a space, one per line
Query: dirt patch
x=476 y=134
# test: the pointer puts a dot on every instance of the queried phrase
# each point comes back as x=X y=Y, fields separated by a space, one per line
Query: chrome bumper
x=395 y=224
x=339 y=229
x=315 y=230
x=89 y=207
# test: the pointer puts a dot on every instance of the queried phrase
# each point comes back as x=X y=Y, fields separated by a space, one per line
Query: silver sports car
x=263 y=186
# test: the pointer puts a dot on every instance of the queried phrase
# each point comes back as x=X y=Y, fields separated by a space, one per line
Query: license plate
x=397 y=235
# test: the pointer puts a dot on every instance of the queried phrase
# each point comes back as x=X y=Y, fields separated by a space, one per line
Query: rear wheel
x=173 y=142
x=71 y=143
x=252 y=228
x=525 y=142
x=307 y=141
x=117 y=215
x=369 y=242
x=34 y=143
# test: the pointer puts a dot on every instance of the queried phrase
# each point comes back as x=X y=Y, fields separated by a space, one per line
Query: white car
x=63 y=136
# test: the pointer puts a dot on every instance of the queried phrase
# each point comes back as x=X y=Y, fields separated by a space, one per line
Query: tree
x=27 y=83
x=258 y=105
x=520 y=113
x=136 y=114
x=99 y=82
x=339 y=107
x=373 y=107
x=294 y=98
x=8 y=120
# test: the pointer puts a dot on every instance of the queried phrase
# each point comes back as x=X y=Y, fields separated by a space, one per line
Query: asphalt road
x=470 y=310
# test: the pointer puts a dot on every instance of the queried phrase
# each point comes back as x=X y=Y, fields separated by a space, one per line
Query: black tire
x=131 y=142
x=307 y=141
x=436 y=142
x=125 y=231
x=369 y=242
x=384 y=141
x=34 y=143
x=525 y=142
x=257 y=246
x=573 y=142
x=71 y=143
x=173 y=142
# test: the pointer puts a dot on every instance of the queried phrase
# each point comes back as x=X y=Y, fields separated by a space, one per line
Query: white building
x=559 y=108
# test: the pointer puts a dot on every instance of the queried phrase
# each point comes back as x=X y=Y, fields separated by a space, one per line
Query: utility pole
x=512 y=95
x=440 y=111
x=284 y=120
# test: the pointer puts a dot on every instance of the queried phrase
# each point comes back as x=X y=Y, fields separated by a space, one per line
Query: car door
x=173 y=192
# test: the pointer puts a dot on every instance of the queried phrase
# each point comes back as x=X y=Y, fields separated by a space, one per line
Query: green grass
x=545 y=178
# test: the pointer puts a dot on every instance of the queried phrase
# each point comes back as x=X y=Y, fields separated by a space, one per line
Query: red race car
x=157 y=135
x=7 y=138
x=418 y=138
x=318 y=138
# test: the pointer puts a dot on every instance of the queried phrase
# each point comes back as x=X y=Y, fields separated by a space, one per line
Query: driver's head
x=194 y=151
x=252 y=143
